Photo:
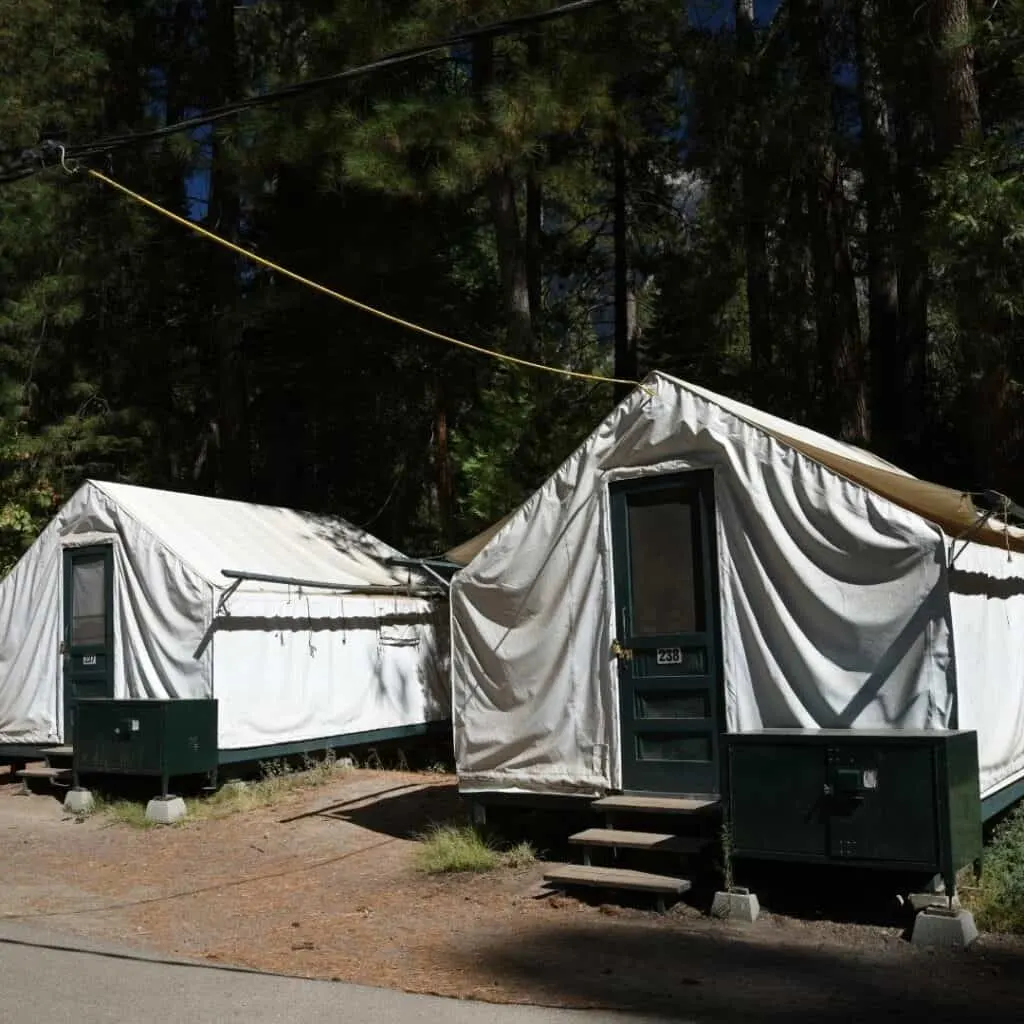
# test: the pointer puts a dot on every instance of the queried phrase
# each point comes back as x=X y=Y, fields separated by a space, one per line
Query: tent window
x=673 y=747
x=665 y=585
x=672 y=705
x=88 y=606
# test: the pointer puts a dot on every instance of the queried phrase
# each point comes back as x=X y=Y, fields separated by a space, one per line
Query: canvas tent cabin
x=315 y=639
x=699 y=574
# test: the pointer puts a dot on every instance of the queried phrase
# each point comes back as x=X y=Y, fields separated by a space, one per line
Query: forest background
x=815 y=206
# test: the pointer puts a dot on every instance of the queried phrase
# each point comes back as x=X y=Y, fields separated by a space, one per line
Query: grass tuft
x=463 y=848
x=277 y=780
x=997 y=901
x=124 y=812
x=451 y=848
x=522 y=855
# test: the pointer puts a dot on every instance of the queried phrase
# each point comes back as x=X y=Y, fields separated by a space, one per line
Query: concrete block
x=736 y=905
x=166 y=810
x=944 y=929
x=78 y=801
x=923 y=900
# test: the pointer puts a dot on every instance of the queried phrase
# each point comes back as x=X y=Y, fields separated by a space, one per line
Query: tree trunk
x=879 y=185
x=626 y=367
x=443 y=475
x=956 y=116
x=842 y=359
x=508 y=236
x=910 y=378
x=534 y=210
x=224 y=216
x=755 y=233
x=841 y=355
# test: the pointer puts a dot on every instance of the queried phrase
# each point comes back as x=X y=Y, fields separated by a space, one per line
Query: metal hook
x=63 y=162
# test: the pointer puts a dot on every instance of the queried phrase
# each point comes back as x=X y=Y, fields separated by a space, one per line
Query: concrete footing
x=944 y=929
x=736 y=905
x=167 y=810
x=78 y=801
x=923 y=900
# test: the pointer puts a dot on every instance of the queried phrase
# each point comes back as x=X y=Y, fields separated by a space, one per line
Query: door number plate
x=670 y=656
x=90 y=659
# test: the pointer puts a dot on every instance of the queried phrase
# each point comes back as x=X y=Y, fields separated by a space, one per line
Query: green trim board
x=569 y=802
x=20 y=751
x=345 y=740
x=997 y=802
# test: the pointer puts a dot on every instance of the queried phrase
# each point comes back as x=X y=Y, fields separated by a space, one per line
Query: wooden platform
x=616 y=878
x=657 y=841
x=57 y=751
x=625 y=804
x=42 y=772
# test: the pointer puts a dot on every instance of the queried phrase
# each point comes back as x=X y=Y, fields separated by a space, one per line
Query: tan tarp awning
x=467 y=550
x=951 y=510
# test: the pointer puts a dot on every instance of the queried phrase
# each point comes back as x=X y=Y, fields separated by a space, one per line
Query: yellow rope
x=192 y=226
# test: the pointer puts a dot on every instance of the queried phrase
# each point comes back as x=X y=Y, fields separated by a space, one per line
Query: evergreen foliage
x=824 y=216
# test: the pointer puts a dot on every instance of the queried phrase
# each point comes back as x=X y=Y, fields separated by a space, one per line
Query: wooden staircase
x=56 y=770
x=692 y=821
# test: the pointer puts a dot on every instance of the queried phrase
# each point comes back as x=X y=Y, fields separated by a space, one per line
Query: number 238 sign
x=670 y=656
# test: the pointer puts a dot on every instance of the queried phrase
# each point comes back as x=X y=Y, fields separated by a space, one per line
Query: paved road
x=93 y=983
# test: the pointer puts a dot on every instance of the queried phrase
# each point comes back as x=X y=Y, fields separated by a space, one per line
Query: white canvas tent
x=850 y=595
x=287 y=663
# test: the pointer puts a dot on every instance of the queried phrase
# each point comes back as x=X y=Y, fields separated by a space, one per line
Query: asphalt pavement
x=61 y=980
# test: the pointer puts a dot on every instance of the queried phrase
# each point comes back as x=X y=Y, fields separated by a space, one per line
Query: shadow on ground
x=404 y=811
x=725 y=977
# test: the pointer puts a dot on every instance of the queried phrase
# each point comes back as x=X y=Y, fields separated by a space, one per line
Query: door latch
x=620 y=652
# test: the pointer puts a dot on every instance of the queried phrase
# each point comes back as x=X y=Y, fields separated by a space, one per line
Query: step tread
x=638 y=840
x=656 y=804
x=41 y=772
x=615 y=878
x=57 y=751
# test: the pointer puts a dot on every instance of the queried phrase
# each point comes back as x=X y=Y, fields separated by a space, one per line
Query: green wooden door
x=88 y=628
x=667 y=623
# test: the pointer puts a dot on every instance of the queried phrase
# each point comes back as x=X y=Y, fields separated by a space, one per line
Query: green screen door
x=667 y=643
x=88 y=628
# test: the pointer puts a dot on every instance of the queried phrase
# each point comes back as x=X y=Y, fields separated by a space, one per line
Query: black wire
x=49 y=152
x=25 y=172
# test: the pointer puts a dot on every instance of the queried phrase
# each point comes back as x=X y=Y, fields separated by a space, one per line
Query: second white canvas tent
x=845 y=600
x=288 y=664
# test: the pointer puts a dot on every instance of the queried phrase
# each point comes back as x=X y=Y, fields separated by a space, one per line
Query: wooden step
x=616 y=878
x=656 y=804
x=40 y=771
x=658 y=841
x=57 y=751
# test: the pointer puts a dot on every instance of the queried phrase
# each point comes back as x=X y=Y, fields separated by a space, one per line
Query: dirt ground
x=324 y=885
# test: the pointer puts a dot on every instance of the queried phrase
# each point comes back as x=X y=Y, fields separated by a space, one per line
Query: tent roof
x=211 y=534
x=952 y=510
x=467 y=550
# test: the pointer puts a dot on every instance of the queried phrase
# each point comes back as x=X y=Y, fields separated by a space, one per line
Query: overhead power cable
x=50 y=152
x=346 y=299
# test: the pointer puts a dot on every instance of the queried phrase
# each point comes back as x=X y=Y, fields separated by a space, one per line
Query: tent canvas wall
x=782 y=579
x=122 y=595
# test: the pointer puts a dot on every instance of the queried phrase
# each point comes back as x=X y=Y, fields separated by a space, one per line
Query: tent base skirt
x=440 y=730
